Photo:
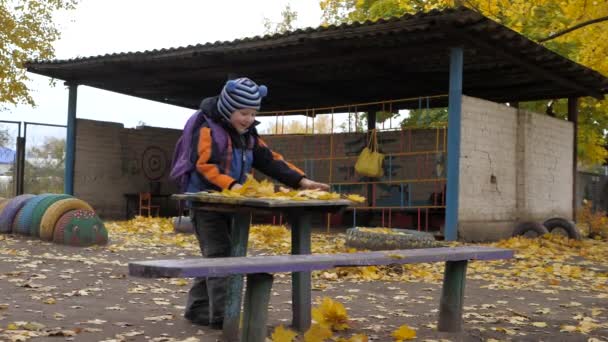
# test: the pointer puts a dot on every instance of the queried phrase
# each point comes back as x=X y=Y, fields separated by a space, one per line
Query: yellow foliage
x=330 y=314
x=317 y=333
x=27 y=32
x=265 y=189
x=535 y=19
x=281 y=334
x=597 y=221
x=404 y=333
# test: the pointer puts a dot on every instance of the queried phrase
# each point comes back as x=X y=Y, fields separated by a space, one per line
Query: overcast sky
x=98 y=27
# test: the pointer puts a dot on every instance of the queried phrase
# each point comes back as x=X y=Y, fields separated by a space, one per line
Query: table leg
x=239 y=236
x=300 y=222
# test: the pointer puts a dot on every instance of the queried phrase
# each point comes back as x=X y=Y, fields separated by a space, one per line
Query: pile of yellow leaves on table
x=266 y=190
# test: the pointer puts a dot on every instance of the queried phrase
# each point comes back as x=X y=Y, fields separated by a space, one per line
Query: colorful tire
x=55 y=211
x=39 y=211
x=80 y=228
x=23 y=221
x=3 y=203
x=10 y=212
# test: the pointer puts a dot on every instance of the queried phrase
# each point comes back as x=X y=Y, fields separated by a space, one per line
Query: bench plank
x=204 y=267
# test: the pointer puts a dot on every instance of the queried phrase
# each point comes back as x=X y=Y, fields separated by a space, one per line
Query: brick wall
x=514 y=165
x=487 y=161
x=546 y=167
x=111 y=161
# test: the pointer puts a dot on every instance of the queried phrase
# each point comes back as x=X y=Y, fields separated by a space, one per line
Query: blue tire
x=23 y=222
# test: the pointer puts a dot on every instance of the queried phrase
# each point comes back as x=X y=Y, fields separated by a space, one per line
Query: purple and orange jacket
x=223 y=157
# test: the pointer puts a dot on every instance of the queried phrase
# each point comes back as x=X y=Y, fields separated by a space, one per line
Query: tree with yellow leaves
x=26 y=32
x=577 y=29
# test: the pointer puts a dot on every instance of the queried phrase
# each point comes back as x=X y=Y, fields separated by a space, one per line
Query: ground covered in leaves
x=554 y=290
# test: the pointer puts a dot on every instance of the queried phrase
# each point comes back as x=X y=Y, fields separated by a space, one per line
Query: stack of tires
x=53 y=217
x=555 y=225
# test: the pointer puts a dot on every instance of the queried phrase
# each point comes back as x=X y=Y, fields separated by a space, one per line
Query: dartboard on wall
x=154 y=163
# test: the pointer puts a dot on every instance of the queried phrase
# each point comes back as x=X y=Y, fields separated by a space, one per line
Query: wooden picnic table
x=299 y=217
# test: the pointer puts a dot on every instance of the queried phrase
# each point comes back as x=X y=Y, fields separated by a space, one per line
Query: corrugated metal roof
x=361 y=62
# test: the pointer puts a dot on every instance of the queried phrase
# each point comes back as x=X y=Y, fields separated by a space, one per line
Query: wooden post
x=232 y=317
x=452 y=296
x=300 y=222
x=573 y=117
x=257 y=297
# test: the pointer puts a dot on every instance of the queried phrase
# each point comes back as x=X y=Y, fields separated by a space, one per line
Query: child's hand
x=236 y=186
x=308 y=184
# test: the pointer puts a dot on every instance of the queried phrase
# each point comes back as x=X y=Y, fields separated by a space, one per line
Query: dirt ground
x=52 y=292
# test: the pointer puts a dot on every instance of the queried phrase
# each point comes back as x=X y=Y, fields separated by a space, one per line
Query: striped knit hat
x=238 y=94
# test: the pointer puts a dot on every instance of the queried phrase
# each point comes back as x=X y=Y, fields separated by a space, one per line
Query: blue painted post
x=454 y=109
x=70 y=141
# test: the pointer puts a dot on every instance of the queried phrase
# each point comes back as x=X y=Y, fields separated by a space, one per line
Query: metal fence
x=10 y=132
x=32 y=160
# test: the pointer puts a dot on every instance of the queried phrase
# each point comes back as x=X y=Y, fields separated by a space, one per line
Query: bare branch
x=575 y=27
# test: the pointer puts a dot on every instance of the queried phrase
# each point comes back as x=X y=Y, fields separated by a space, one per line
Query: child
x=225 y=149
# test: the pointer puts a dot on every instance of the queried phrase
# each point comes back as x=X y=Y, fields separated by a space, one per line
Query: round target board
x=154 y=163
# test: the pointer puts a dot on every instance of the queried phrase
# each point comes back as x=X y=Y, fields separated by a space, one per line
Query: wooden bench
x=259 y=271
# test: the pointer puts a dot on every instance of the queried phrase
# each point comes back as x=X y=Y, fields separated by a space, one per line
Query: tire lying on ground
x=80 y=228
x=530 y=229
x=55 y=211
x=558 y=225
x=40 y=210
x=366 y=238
x=23 y=221
x=10 y=212
x=183 y=224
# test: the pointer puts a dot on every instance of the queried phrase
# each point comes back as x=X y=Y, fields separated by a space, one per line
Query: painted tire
x=3 y=203
x=10 y=212
x=80 y=228
x=530 y=229
x=561 y=226
x=39 y=211
x=23 y=221
x=401 y=239
x=55 y=211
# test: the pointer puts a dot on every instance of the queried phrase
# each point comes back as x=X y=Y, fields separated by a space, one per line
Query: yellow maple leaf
x=331 y=314
x=281 y=334
x=317 y=333
x=404 y=333
x=50 y=301
x=355 y=198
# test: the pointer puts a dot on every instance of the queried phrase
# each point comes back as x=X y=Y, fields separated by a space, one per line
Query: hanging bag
x=370 y=160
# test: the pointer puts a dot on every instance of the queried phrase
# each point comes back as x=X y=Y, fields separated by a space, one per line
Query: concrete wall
x=112 y=160
x=514 y=165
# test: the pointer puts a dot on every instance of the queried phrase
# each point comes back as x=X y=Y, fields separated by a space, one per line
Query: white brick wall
x=108 y=163
x=487 y=161
x=548 y=167
x=514 y=166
